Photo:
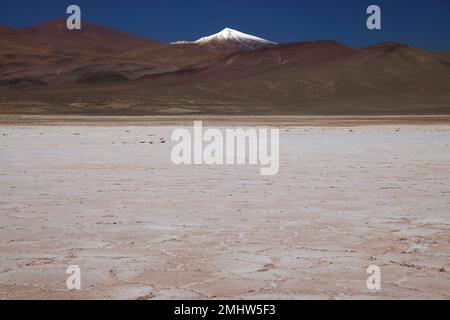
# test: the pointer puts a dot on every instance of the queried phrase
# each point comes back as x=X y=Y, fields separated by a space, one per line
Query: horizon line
x=394 y=42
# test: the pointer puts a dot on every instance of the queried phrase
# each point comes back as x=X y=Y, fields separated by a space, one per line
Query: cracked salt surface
x=141 y=228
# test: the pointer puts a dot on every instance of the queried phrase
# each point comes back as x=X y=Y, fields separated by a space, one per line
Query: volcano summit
x=231 y=40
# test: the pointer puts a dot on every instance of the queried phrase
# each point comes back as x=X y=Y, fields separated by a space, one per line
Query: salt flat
x=109 y=199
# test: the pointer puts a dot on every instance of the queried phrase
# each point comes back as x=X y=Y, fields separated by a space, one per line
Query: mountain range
x=47 y=69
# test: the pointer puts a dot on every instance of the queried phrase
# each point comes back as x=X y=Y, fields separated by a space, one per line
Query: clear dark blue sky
x=421 y=23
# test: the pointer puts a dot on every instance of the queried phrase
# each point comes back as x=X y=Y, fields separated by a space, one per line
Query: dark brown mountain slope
x=51 y=54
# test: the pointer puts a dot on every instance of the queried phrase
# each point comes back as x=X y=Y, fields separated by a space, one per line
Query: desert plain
x=104 y=195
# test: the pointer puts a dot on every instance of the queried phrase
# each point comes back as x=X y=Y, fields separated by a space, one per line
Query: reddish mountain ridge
x=92 y=38
x=292 y=56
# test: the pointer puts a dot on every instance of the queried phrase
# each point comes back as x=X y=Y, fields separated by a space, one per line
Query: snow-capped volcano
x=231 y=35
x=232 y=40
